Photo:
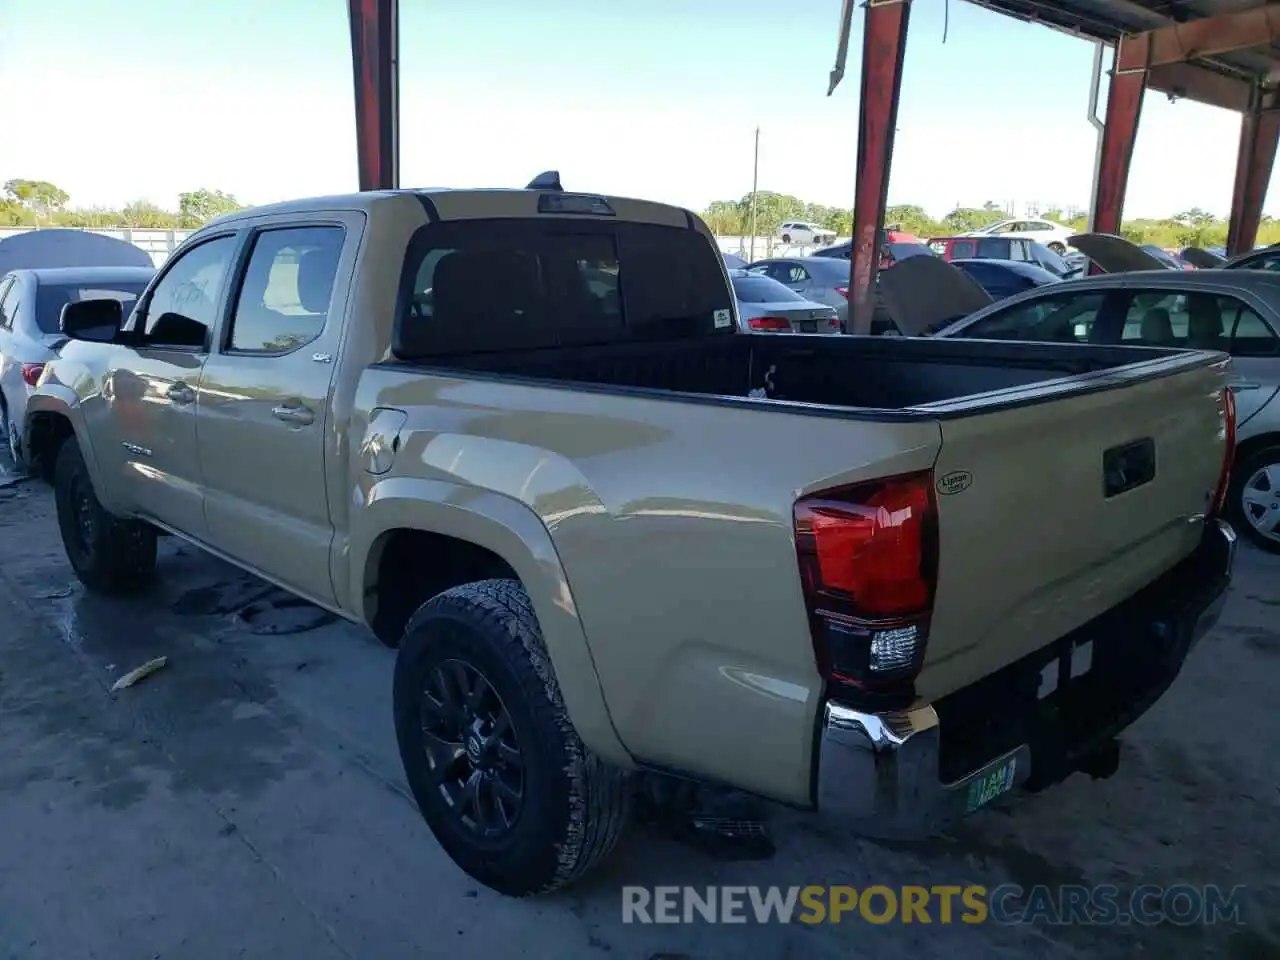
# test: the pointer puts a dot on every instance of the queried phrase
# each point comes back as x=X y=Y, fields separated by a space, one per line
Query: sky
x=652 y=98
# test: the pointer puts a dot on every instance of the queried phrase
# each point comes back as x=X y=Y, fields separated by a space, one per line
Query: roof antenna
x=547 y=180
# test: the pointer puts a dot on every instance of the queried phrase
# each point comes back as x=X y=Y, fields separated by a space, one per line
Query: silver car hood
x=922 y=292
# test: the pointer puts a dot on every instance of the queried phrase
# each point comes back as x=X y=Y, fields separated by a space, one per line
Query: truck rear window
x=478 y=286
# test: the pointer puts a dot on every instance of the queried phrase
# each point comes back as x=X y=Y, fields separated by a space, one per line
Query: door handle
x=294 y=414
x=180 y=393
x=1244 y=385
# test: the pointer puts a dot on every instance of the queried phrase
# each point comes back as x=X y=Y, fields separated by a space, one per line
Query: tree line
x=39 y=203
x=1191 y=228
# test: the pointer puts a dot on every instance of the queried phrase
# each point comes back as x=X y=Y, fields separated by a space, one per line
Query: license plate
x=991 y=785
x=808 y=326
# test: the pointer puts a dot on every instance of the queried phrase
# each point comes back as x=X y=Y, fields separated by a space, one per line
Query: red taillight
x=843 y=291
x=868 y=564
x=1229 y=454
x=769 y=324
x=31 y=373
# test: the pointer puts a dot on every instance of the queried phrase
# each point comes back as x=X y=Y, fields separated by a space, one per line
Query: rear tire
x=1250 y=495
x=476 y=701
x=109 y=554
x=1056 y=247
x=786 y=238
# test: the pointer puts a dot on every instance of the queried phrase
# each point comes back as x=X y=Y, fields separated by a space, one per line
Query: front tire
x=501 y=777
x=109 y=554
x=1253 y=498
x=13 y=439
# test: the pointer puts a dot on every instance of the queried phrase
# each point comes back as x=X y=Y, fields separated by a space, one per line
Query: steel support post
x=884 y=42
x=1259 y=134
x=1124 y=108
x=375 y=59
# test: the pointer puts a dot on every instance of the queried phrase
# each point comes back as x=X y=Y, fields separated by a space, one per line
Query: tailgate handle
x=1128 y=466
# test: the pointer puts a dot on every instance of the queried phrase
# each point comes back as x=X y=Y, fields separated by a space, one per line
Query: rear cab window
x=483 y=286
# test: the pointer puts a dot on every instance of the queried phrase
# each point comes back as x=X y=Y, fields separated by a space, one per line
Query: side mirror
x=97 y=321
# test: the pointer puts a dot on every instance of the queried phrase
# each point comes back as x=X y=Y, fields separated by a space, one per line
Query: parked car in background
x=31 y=303
x=1237 y=312
x=1004 y=278
x=767 y=306
x=1016 y=249
x=891 y=250
x=1268 y=258
x=1053 y=235
x=805 y=234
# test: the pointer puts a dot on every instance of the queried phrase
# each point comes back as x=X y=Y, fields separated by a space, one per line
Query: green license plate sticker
x=991 y=785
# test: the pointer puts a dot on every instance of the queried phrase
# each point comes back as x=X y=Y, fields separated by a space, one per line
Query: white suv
x=805 y=234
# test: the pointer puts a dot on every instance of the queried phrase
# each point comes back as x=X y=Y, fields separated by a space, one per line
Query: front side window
x=183 y=307
x=473 y=287
x=1063 y=318
x=288 y=285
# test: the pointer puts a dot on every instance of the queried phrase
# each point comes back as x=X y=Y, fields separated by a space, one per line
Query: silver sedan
x=766 y=306
x=1234 y=311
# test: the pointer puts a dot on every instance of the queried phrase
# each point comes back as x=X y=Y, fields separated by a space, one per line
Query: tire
x=786 y=238
x=1056 y=247
x=109 y=554
x=1245 y=484
x=572 y=807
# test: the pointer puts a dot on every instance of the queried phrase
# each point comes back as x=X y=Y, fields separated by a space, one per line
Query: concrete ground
x=248 y=801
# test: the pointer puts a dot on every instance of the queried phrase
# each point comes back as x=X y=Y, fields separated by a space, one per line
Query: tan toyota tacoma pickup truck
x=518 y=433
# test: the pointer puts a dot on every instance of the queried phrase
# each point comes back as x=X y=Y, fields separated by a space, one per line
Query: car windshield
x=1050 y=260
x=52 y=297
x=757 y=289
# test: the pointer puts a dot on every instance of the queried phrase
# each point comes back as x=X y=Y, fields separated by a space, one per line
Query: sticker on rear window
x=723 y=318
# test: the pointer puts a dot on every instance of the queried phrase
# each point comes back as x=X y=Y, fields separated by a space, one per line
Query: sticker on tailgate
x=956 y=481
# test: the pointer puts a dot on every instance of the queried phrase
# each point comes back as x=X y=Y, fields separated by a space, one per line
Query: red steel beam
x=1206 y=37
x=884 y=42
x=1259 y=135
x=375 y=59
x=1124 y=109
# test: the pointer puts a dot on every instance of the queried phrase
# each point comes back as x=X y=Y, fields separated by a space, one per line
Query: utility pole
x=755 y=183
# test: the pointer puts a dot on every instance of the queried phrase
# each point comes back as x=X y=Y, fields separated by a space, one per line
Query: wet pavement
x=247 y=799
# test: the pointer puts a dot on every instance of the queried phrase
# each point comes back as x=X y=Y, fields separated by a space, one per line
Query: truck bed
x=873 y=373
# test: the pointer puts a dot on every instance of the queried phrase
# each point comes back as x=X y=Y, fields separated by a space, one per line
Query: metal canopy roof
x=1223 y=78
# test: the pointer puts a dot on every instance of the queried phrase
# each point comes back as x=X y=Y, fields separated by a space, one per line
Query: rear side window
x=995 y=248
x=962 y=249
x=478 y=286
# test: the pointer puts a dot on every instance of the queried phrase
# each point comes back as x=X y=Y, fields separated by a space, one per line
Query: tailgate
x=1035 y=539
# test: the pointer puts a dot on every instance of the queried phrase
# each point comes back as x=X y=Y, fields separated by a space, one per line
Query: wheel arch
x=479 y=534
x=50 y=420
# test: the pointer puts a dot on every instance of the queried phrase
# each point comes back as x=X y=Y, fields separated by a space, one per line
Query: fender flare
x=60 y=401
x=515 y=533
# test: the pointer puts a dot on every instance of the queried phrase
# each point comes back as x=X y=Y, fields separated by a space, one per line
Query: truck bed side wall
x=673 y=522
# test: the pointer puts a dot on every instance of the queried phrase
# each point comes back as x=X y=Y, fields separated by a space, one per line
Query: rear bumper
x=910 y=772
